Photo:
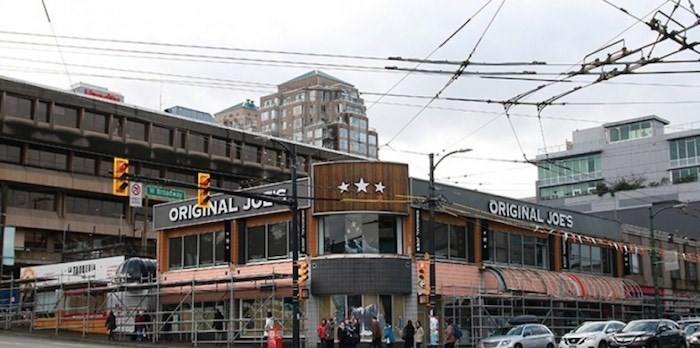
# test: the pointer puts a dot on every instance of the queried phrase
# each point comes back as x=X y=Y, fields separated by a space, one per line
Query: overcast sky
x=560 y=33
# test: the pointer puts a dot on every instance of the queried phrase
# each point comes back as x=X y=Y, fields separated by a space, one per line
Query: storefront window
x=516 y=249
x=360 y=233
x=450 y=240
x=387 y=309
x=268 y=242
x=196 y=250
x=584 y=258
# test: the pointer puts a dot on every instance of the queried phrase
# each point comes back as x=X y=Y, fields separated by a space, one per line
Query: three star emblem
x=361 y=186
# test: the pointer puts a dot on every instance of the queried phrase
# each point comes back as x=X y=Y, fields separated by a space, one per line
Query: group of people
x=348 y=334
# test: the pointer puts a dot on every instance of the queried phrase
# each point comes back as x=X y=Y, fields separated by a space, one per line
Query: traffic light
x=120 y=183
x=423 y=278
x=203 y=190
x=303 y=278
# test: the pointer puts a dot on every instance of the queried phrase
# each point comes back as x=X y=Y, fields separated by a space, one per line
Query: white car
x=521 y=336
x=591 y=334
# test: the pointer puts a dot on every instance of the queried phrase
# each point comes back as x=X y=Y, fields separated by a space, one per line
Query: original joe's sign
x=530 y=213
x=226 y=206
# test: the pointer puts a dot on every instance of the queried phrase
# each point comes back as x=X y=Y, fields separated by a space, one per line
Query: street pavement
x=11 y=340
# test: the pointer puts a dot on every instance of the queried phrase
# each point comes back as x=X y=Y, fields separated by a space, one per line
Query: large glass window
x=46 y=158
x=196 y=250
x=10 y=153
x=65 y=116
x=685 y=152
x=17 y=107
x=160 y=135
x=30 y=200
x=359 y=233
x=84 y=164
x=629 y=131
x=268 y=241
x=584 y=258
x=135 y=130
x=94 y=122
x=197 y=142
x=569 y=190
x=570 y=170
x=450 y=240
x=519 y=250
x=94 y=206
x=218 y=147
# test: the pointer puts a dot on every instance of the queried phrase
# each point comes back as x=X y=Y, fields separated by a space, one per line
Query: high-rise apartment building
x=623 y=169
x=319 y=109
x=242 y=116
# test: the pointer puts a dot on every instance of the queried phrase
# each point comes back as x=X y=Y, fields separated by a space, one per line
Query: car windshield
x=648 y=326
x=516 y=331
x=691 y=329
x=501 y=331
x=590 y=327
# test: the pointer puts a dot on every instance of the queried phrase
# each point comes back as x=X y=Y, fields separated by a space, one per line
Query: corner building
x=364 y=231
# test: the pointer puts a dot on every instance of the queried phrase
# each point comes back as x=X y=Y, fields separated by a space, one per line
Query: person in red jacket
x=321 y=332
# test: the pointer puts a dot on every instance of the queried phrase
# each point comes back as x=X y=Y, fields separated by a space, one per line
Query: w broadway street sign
x=165 y=192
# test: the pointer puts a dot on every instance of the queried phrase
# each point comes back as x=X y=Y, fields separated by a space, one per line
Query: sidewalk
x=121 y=342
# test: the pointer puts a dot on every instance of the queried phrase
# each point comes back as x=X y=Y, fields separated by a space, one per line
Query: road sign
x=165 y=192
x=135 y=194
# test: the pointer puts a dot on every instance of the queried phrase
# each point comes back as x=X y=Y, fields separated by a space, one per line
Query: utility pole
x=293 y=208
x=432 y=201
x=3 y=224
x=654 y=256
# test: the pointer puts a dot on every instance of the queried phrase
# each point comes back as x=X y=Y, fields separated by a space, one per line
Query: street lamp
x=293 y=208
x=654 y=262
x=432 y=201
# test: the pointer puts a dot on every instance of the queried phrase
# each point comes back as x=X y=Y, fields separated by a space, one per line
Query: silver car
x=522 y=336
x=591 y=334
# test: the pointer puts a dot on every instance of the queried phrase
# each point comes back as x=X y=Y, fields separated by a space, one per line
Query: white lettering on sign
x=530 y=213
x=221 y=206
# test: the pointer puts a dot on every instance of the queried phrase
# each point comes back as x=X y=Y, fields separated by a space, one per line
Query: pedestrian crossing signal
x=423 y=278
x=120 y=182
x=203 y=190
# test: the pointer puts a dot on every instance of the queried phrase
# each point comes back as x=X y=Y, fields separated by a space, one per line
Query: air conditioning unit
x=577 y=192
x=590 y=190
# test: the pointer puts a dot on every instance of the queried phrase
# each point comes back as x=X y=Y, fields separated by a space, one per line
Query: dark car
x=692 y=335
x=656 y=333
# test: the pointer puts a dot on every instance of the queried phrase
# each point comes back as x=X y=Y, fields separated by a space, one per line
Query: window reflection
x=359 y=233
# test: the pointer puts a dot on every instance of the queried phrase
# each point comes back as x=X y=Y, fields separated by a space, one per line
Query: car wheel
x=518 y=345
x=654 y=344
x=602 y=344
x=682 y=345
x=549 y=345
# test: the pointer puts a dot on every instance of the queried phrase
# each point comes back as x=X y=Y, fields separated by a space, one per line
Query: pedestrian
x=409 y=333
x=419 y=334
x=342 y=335
x=111 y=325
x=450 y=338
x=321 y=332
x=356 y=332
x=218 y=325
x=330 y=331
x=269 y=323
x=376 y=333
x=348 y=333
x=140 y=326
x=389 y=336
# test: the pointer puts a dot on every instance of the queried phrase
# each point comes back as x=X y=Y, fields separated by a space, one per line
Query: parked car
x=521 y=336
x=591 y=334
x=655 y=333
x=692 y=335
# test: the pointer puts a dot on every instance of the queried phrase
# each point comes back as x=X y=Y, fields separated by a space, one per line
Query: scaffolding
x=152 y=309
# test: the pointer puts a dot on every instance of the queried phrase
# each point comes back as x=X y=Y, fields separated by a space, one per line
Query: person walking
x=140 y=326
x=409 y=333
x=450 y=338
x=419 y=334
x=376 y=333
x=111 y=325
x=321 y=332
